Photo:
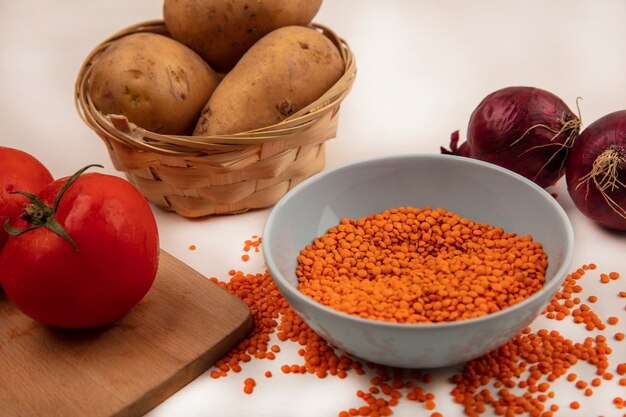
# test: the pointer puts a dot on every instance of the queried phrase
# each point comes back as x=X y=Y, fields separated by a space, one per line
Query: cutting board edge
x=183 y=376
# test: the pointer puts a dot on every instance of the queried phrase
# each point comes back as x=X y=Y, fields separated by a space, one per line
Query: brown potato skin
x=156 y=82
x=221 y=31
x=282 y=73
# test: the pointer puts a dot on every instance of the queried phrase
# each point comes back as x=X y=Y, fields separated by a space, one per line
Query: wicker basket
x=204 y=175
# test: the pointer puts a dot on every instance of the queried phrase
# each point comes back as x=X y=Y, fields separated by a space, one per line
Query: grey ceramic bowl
x=477 y=190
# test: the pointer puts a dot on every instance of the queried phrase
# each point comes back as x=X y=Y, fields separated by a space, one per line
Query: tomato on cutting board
x=18 y=171
x=93 y=257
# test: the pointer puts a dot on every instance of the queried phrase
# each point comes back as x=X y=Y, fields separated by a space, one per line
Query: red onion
x=596 y=171
x=527 y=130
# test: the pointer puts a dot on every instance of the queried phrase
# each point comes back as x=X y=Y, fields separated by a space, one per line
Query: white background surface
x=422 y=68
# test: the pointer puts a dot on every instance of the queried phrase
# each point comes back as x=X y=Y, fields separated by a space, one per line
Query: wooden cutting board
x=181 y=327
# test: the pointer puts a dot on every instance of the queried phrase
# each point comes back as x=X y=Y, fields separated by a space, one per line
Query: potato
x=282 y=73
x=156 y=82
x=222 y=31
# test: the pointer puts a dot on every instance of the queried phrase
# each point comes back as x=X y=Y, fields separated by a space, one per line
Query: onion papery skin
x=526 y=130
x=606 y=133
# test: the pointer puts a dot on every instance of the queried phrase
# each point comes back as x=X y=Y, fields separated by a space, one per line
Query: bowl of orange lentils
x=418 y=260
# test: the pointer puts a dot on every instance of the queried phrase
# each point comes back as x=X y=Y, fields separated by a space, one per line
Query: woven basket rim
x=118 y=128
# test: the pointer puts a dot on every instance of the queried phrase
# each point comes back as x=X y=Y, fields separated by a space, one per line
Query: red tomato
x=19 y=171
x=114 y=266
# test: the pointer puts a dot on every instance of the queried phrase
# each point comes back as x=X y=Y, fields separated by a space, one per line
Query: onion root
x=605 y=175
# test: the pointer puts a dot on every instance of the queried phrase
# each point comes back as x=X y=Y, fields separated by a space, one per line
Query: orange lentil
x=436 y=414
x=604 y=278
x=614 y=275
x=527 y=361
x=592 y=298
x=622 y=294
x=245 y=257
x=268 y=374
x=253 y=242
x=544 y=353
x=384 y=257
x=574 y=405
x=613 y=320
x=192 y=247
x=248 y=385
x=621 y=369
x=385 y=411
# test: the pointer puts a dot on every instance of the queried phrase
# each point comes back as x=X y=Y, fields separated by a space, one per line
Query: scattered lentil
x=248 y=385
x=531 y=361
x=253 y=243
x=542 y=354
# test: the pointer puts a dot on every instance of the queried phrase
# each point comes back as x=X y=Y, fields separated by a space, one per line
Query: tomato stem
x=69 y=182
x=39 y=214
